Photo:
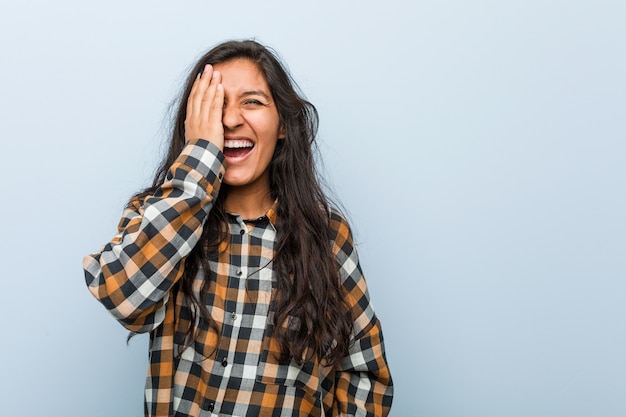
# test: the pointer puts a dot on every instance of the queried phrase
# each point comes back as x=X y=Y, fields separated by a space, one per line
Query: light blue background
x=479 y=147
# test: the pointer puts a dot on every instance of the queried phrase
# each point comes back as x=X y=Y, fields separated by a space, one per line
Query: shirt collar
x=271 y=216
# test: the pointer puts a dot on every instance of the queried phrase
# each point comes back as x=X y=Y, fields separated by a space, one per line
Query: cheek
x=267 y=126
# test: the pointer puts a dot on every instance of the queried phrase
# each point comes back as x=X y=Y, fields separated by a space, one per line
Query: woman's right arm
x=133 y=274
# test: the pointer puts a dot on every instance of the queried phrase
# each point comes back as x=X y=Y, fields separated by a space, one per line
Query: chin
x=236 y=181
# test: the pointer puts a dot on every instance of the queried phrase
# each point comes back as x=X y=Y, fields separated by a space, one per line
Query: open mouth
x=237 y=148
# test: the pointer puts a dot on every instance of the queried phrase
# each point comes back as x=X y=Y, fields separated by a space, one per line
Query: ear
x=281 y=132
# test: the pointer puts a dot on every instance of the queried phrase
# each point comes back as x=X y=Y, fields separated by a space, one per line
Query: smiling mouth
x=237 y=148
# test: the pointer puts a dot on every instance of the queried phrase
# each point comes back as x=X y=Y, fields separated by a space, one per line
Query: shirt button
x=208 y=405
x=239 y=272
x=220 y=176
x=241 y=232
x=224 y=362
x=233 y=316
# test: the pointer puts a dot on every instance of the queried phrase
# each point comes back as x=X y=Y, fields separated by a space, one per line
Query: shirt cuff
x=204 y=157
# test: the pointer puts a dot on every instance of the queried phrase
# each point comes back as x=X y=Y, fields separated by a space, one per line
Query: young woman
x=237 y=265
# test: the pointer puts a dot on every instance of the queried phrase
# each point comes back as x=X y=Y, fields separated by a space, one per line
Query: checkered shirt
x=233 y=372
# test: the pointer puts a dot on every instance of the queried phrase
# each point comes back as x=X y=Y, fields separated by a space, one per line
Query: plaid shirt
x=234 y=372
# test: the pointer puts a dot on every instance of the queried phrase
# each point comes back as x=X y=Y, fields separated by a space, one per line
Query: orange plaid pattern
x=235 y=372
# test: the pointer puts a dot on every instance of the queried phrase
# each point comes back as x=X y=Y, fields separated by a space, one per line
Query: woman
x=235 y=263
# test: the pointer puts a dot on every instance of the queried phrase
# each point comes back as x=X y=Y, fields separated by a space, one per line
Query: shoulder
x=341 y=232
x=338 y=223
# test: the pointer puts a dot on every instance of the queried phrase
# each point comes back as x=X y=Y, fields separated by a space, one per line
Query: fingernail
x=206 y=67
x=215 y=74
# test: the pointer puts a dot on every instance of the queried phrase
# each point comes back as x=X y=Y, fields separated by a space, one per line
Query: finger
x=198 y=90
x=201 y=86
x=215 y=129
x=192 y=93
x=209 y=94
x=194 y=118
x=217 y=106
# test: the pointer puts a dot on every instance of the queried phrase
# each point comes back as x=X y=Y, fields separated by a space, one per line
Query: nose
x=231 y=116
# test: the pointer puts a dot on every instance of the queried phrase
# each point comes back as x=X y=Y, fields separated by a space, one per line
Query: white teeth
x=238 y=143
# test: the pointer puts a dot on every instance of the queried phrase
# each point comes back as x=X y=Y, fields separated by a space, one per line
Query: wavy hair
x=310 y=314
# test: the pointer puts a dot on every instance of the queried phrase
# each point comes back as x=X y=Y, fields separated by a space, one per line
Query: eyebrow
x=254 y=93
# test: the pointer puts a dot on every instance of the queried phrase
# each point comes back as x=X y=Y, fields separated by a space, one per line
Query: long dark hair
x=308 y=291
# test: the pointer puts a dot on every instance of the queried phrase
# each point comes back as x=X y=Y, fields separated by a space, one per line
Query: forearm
x=133 y=274
x=363 y=384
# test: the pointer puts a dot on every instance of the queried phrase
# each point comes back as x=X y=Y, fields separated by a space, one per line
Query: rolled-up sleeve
x=133 y=274
x=363 y=384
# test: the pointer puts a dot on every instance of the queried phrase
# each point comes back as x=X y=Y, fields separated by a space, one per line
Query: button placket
x=236 y=291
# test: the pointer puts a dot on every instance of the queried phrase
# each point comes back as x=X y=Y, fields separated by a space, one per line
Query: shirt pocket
x=271 y=371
